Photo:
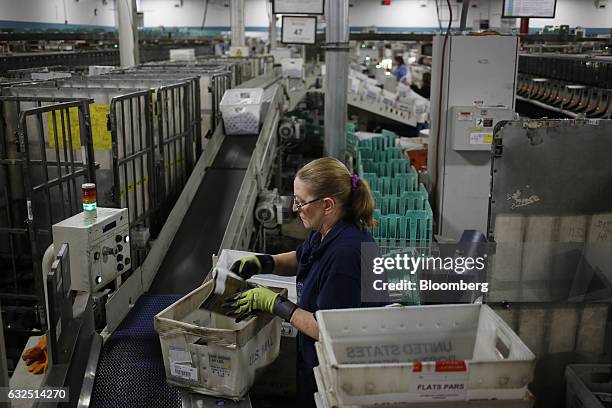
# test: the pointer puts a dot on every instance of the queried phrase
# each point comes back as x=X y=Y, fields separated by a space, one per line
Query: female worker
x=338 y=209
x=402 y=73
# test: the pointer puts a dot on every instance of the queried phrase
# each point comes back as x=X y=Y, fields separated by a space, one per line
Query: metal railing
x=175 y=141
x=130 y=123
x=42 y=166
x=153 y=142
x=244 y=68
x=219 y=84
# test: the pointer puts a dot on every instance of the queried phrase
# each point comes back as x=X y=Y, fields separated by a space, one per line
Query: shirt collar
x=338 y=227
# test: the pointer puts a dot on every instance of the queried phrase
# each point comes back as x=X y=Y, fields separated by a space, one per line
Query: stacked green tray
x=403 y=213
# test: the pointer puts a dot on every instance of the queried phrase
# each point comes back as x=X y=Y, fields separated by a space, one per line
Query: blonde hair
x=329 y=177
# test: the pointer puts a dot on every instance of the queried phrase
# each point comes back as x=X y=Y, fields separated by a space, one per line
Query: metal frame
x=134 y=79
x=42 y=178
x=219 y=81
x=175 y=137
x=178 y=116
x=140 y=158
x=121 y=126
x=219 y=84
x=4 y=379
x=247 y=67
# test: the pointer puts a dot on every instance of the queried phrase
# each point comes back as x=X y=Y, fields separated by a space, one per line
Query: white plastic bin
x=211 y=354
x=588 y=385
x=355 y=85
x=326 y=398
x=280 y=53
x=241 y=110
x=422 y=353
x=388 y=98
x=100 y=69
x=293 y=68
x=183 y=54
x=372 y=92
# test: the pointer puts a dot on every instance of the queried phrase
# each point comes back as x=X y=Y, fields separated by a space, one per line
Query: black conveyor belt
x=130 y=369
x=188 y=260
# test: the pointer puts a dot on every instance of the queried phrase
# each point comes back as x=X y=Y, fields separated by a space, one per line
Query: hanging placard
x=298 y=6
x=299 y=30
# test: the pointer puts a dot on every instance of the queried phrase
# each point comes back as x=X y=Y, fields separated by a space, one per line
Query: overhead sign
x=299 y=30
x=529 y=8
x=298 y=6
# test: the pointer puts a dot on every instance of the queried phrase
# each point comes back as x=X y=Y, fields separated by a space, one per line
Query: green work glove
x=250 y=265
x=244 y=304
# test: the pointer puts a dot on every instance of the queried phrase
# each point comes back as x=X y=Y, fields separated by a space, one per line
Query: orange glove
x=40 y=366
x=36 y=357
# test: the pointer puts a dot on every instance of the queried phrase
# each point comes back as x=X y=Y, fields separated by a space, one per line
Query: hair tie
x=355 y=181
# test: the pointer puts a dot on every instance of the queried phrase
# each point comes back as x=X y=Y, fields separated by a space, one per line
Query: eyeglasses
x=299 y=205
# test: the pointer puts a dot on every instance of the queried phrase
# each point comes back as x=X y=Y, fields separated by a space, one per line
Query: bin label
x=181 y=364
x=179 y=356
x=446 y=366
x=440 y=386
x=220 y=365
x=481 y=138
x=442 y=380
x=184 y=372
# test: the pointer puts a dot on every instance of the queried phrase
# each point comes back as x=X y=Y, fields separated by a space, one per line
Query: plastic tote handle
x=503 y=344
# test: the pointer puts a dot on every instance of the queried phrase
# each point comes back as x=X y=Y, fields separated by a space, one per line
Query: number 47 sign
x=299 y=30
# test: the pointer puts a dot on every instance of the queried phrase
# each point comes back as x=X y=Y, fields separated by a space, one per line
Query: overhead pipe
x=464 y=13
x=336 y=84
x=128 y=33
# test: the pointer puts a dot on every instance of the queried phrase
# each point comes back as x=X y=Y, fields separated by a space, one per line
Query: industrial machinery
x=565 y=85
x=136 y=176
x=292 y=130
x=273 y=209
x=100 y=248
x=474 y=79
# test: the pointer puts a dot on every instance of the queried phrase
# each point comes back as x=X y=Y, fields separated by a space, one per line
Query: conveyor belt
x=188 y=260
x=130 y=369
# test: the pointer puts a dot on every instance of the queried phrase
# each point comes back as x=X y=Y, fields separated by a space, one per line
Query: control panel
x=99 y=248
x=472 y=126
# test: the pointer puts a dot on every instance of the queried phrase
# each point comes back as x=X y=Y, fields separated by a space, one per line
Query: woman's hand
x=243 y=304
x=250 y=265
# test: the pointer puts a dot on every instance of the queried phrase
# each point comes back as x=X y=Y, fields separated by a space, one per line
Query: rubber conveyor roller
x=130 y=369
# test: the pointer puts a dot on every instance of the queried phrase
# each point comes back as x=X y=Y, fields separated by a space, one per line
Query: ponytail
x=361 y=207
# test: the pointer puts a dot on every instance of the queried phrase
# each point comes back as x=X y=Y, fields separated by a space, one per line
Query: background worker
x=402 y=72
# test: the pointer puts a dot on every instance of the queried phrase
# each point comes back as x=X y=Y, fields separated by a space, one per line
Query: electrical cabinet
x=99 y=248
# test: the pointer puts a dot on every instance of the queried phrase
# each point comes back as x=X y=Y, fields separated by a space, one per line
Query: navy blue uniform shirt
x=328 y=277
